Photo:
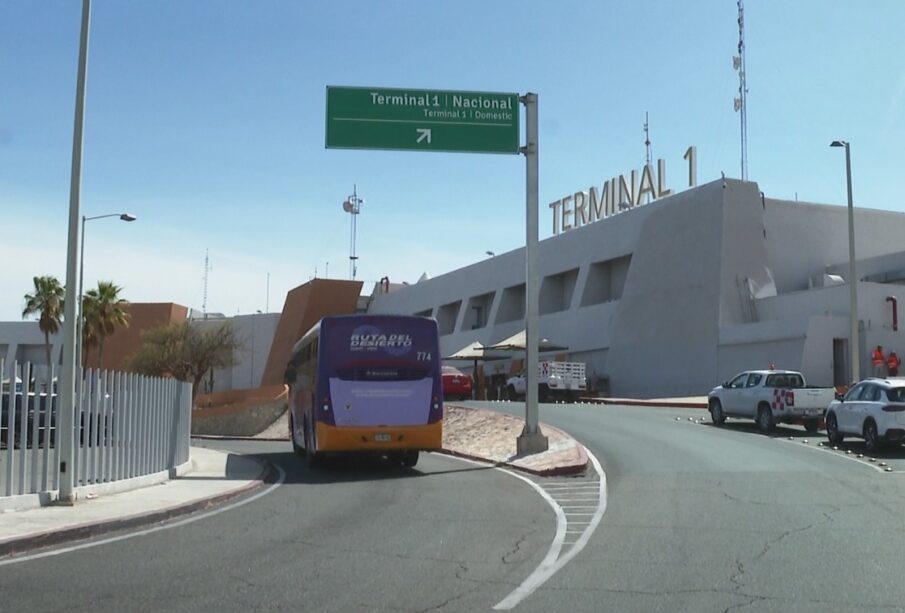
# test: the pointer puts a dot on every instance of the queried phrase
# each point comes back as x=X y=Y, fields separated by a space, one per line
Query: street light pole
x=80 y=339
x=855 y=349
x=68 y=370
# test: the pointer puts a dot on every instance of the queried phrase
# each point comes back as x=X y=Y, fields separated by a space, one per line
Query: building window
x=556 y=292
x=478 y=311
x=606 y=280
x=447 y=315
x=512 y=304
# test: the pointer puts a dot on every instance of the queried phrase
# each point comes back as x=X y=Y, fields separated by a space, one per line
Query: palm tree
x=47 y=303
x=104 y=311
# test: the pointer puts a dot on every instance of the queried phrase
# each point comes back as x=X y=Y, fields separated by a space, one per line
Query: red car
x=456 y=384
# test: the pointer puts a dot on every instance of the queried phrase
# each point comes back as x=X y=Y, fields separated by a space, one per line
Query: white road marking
x=166 y=526
x=835 y=454
x=552 y=562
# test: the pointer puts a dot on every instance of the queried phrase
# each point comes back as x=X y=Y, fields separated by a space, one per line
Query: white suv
x=873 y=410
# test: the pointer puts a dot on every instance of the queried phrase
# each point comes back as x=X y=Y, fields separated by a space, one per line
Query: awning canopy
x=517 y=342
x=474 y=351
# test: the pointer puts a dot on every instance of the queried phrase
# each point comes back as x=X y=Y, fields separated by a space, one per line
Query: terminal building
x=661 y=300
x=673 y=297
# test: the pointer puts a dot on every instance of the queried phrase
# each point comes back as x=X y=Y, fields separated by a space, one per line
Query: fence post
x=23 y=425
x=10 y=426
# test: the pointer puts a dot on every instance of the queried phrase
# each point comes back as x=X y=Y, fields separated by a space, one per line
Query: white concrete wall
x=804 y=239
x=256 y=332
x=24 y=341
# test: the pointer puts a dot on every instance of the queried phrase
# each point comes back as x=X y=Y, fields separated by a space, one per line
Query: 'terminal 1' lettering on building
x=617 y=195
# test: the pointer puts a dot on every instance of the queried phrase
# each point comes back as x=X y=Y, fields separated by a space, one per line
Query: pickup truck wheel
x=832 y=429
x=716 y=412
x=871 y=437
x=811 y=425
x=765 y=421
x=543 y=394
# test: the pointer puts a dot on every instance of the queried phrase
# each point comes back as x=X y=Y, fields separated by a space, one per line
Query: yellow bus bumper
x=377 y=438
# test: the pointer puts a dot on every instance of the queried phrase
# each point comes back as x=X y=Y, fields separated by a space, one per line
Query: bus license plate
x=383 y=438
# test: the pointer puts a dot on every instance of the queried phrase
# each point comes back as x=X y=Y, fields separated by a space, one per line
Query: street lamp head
x=838 y=143
x=490 y=253
x=128 y=217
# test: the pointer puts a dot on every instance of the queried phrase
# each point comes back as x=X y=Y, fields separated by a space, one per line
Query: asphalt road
x=699 y=518
x=358 y=536
x=702 y=518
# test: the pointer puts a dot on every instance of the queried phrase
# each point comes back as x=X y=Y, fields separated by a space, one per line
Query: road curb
x=646 y=403
x=556 y=471
x=39 y=540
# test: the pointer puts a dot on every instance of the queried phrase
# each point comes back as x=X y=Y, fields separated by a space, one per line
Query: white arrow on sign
x=422 y=134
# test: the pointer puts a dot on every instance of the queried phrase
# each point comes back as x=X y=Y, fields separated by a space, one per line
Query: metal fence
x=125 y=425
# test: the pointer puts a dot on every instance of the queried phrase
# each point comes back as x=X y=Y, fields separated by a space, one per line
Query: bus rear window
x=382 y=373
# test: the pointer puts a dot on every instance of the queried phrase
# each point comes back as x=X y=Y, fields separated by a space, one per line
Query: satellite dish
x=347 y=206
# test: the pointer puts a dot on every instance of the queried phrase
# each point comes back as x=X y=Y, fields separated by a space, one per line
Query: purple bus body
x=379 y=370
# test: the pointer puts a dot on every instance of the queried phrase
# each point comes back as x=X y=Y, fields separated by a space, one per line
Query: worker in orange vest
x=878 y=360
x=892 y=364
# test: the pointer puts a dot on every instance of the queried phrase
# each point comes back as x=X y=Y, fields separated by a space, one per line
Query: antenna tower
x=352 y=206
x=741 y=103
x=647 y=152
x=207 y=269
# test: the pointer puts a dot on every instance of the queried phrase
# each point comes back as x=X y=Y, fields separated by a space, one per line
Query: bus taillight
x=326 y=403
x=436 y=402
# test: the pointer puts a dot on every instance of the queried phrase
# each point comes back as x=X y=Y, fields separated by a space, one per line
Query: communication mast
x=741 y=103
x=647 y=151
x=352 y=206
x=207 y=269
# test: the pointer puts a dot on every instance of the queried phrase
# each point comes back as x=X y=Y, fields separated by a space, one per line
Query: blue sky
x=206 y=120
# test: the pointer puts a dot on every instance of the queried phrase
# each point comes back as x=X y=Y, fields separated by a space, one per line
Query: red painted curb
x=19 y=545
x=647 y=403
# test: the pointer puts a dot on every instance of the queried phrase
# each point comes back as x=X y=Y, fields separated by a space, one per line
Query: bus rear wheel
x=314 y=457
x=409 y=458
x=299 y=451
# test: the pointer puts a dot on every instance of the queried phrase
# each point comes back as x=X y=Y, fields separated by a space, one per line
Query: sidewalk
x=216 y=477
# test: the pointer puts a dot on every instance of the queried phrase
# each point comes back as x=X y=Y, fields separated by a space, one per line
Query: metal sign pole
x=531 y=439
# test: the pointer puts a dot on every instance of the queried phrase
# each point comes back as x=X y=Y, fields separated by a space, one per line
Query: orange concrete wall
x=119 y=346
x=304 y=307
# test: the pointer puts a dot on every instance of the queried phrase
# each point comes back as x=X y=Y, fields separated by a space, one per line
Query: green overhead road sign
x=422 y=120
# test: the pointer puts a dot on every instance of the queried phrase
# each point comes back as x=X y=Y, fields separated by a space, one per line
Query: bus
x=366 y=383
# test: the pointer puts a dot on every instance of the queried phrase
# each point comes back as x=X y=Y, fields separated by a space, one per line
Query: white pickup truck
x=563 y=380
x=770 y=397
